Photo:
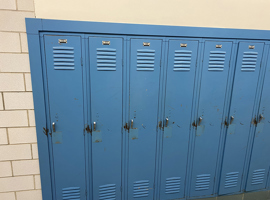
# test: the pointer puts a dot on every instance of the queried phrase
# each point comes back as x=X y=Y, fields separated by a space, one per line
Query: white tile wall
x=19 y=165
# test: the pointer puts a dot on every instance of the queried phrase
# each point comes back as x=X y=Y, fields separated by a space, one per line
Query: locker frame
x=36 y=28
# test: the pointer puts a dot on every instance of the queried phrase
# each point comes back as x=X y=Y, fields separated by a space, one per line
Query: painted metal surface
x=106 y=56
x=260 y=162
x=181 y=68
x=64 y=74
x=144 y=94
x=210 y=120
x=248 y=67
x=155 y=154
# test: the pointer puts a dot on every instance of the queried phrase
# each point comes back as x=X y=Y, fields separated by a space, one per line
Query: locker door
x=260 y=162
x=242 y=102
x=145 y=56
x=181 y=69
x=106 y=56
x=65 y=88
x=210 y=116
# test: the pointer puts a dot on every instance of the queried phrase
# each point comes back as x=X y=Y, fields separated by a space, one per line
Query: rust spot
x=226 y=123
x=126 y=127
x=160 y=124
x=173 y=122
x=254 y=121
x=45 y=131
x=178 y=126
x=57 y=142
x=194 y=124
x=134 y=138
x=97 y=141
x=88 y=129
x=241 y=123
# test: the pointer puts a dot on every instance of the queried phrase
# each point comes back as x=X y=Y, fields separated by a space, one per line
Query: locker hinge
x=81 y=61
x=126 y=127
x=45 y=131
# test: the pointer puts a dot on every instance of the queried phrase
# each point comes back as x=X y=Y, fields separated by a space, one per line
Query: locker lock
x=260 y=118
x=200 y=120
x=166 y=121
x=95 y=124
x=53 y=126
x=131 y=124
x=232 y=118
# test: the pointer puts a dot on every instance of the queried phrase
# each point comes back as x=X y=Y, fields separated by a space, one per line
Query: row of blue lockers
x=156 y=118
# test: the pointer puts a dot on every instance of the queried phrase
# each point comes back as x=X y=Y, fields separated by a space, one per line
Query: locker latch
x=53 y=126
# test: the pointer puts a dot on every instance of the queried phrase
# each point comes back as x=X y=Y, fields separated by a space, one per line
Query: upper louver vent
x=249 y=61
x=182 y=60
x=106 y=59
x=216 y=60
x=145 y=60
x=63 y=57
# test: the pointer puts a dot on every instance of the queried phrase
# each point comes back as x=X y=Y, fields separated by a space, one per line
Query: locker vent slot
x=71 y=193
x=258 y=176
x=141 y=189
x=63 y=57
x=106 y=59
x=249 y=61
x=182 y=60
x=203 y=182
x=145 y=60
x=107 y=192
x=216 y=61
x=231 y=179
x=173 y=185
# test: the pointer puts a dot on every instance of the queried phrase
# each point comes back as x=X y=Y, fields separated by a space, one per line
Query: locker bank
x=127 y=111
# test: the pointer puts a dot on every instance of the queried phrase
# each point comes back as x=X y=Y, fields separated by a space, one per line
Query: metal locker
x=106 y=56
x=66 y=112
x=210 y=118
x=181 y=68
x=247 y=71
x=145 y=58
x=260 y=162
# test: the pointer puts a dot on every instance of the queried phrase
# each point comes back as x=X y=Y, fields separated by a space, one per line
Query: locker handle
x=95 y=124
x=131 y=124
x=53 y=126
x=260 y=118
x=167 y=122
x=200 y=120
x=232 y=118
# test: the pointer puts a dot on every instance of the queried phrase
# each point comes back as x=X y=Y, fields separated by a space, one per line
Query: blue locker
x=66 y=112
x=260 y=162
x=145 y=58
x=215 y=71
x=106 y=56
x=247 y=71
x=181 y=68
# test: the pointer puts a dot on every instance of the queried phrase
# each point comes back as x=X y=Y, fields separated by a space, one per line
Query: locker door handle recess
x=260 y=118
x=200 y=120
x=166 y=122
x=232 y=118
x=53 y=126
x=131 y=123
x=95 y=124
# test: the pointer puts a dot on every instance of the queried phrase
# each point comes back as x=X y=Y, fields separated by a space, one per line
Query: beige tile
x=35 y=151
x=8 y=4
x=32 y=121
x=24 y=43
x=13 y=118
x=7 y=196
x=25 y=5
x=14 y=62
x=5 y=169
x=29 y=195
x=28 y=82
x=37 y=182
x=1 y=102
x=15 y=152
x=11 y=184
x=11 y=82
x=25 y=167
x=3 y=136
x=14 y=20
x=10 y=42
x=22 y=135
x=18 y=100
